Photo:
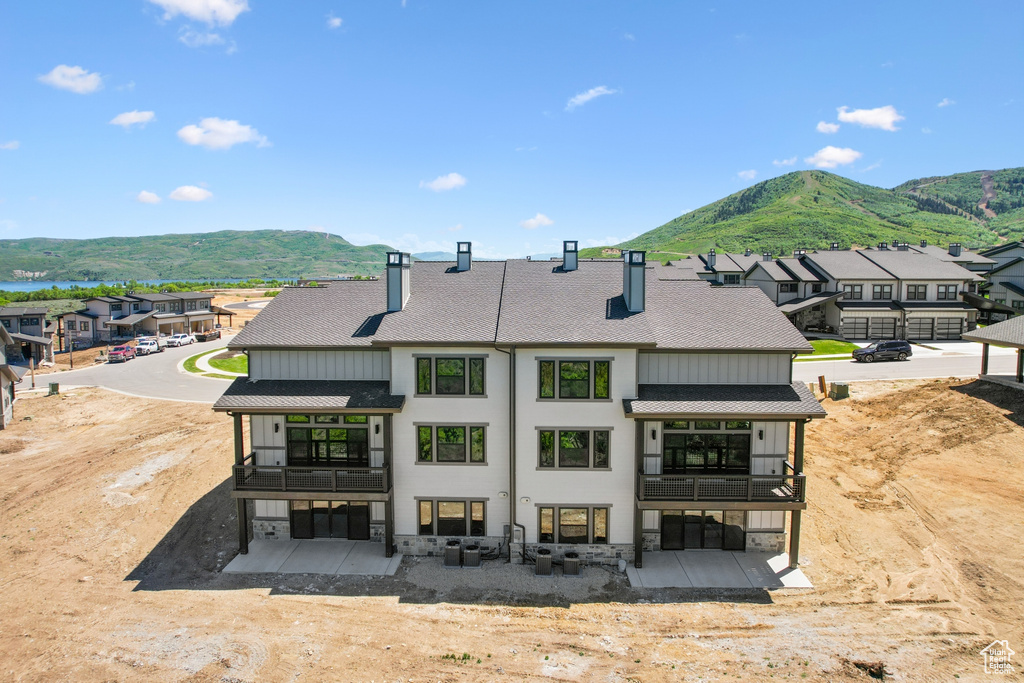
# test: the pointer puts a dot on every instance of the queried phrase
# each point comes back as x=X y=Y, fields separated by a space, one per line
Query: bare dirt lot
x=115 y=520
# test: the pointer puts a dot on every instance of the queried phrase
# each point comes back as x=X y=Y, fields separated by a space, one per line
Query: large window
x=579 y=380
x=946 y=293
x=1018 y=303
x=327 y=440
x=451 y=443
x=452 y=518
x=71 y=325
x=574 y=448
x=115 y=308
x=787 y=288
x=881 y=292
x=706 y=446
x=853 y=292
x=450 y=376
x=731 y=279
x=573 y=524
x=917 y=292
x=816 y=288
x=85 y=326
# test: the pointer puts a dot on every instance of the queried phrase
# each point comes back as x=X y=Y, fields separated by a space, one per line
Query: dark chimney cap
x=399 y=258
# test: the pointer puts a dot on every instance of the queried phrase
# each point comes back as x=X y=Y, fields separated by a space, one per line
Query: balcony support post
x=794 y=539
x=638 y=537
x=239 y=439
x=243 y=527
x=389 y=527
x=798 y=448
x=984 y=359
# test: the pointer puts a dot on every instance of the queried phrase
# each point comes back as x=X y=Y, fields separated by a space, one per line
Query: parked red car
x=122 y=353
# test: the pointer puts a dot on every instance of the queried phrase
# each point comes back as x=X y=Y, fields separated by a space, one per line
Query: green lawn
x=190 y=363
x=832 y=347
x=239 y=363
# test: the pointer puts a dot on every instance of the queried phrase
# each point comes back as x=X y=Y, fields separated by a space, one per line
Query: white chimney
x=633 y=264
x=570 y=255
x=399 y=264
x=464 y=259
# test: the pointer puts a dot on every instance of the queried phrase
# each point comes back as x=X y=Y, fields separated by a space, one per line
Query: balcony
x=249 y=477
x=719 y=488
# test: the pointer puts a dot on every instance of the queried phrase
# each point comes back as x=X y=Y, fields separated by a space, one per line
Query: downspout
x=512 y=454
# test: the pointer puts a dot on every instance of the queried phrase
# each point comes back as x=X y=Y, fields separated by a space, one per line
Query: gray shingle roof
x=807 y=302
x=313 y=396
x=798 y=270
x=739 y=401
x=907 y=265
x=1007 y=333
x=773 y=270
x=129 y=319
x=944 y=255
x=847 y=265
x=1009 y=263
x=7 y=311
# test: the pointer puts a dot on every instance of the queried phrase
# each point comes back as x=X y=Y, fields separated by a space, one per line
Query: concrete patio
x=315 y=557
x=715 y=569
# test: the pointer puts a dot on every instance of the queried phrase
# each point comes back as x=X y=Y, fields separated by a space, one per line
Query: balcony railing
x=756 y=488
x=250 y=477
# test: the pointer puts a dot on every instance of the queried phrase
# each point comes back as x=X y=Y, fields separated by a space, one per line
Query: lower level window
x=451 y=518
x=582 y=524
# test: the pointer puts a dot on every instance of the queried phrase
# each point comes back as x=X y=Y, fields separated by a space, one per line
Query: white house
x=9 y=376
x=605 y=407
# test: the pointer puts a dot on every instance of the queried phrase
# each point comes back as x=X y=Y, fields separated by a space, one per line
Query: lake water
x=34 y=285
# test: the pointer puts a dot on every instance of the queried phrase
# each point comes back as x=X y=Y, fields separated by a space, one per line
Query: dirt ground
x=115 y=520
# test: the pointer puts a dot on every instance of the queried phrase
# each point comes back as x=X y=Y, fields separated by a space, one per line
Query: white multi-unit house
x=32 y=336
x=109 y=317
x=9 y=376
x=605 y=407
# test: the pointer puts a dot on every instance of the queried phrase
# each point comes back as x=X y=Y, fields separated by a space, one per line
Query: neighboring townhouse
x=725 y=269
x=971 y=260
x=32 y=336
x=1006 y=284
x=599 y=406
x=9 y=376
x=799 y=292
x=110 y=317
x=1004 y=252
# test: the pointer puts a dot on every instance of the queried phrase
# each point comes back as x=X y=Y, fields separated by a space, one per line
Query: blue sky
x=513 y=125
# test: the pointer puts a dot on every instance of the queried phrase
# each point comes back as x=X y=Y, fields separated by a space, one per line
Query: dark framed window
x=574 y=448
x=731 y=279
x=707 y=448
x=574 y=379
x=881 y=292
x=69 y=324
x=450 y=376
x=311 y=445
x=115 y=307
x=853 y=292
x=816 y=288
x=452 y=518
x=917 y=292
x=451 y=444
x=787 y=288
x=572 y=524
x=946 y=292
x=1017 y=303
x=85 y=326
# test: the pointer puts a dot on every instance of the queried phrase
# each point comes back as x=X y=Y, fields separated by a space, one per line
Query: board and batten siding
x=714 y=368
x=336 y=364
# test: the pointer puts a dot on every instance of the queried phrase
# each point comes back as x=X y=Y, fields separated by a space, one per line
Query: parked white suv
x=180 y=340
x=148 y=346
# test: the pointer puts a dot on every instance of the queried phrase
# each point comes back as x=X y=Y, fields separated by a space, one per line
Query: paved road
x=917 y=367
x=154 y=376
x=261 y=303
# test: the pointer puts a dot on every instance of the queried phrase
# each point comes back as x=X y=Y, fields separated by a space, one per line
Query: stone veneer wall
x=268 y=529
x=589 y=554
x=433 y=546
x=766 y=541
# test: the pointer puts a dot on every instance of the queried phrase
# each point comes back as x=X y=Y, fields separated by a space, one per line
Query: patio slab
x=713 y=569
x=317 y=557
x=263 y=557
x=716 y=569
x=368 y=559
x=660 y=570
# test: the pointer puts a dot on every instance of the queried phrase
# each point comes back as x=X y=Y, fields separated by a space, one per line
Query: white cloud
x=333 y=21
x=130 y=85
x=880 y=117
x=222 y=12
x=455 y=228
x=610 y=239
x=830 y=157
x=196 y=39
x=151 y=198
x=747 y=175
x=945 y=102
x=827 y=128
x=872 y=167
x=926 y=131
x=784 y=162
x=73 y=78
x=584 y=97
x=131 y=118
x=190 y=193
x=536 y=222
x=215 y=133
x=13 y=144
x=443 y=183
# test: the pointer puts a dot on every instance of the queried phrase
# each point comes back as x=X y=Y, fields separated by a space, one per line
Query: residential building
x=9 y=376
x=1006 y=284
x=725 y=269
x=799 y=292
x=109 y=317
x=31 y=335
x=1004 y=252
x=604 y=407
x=971 y=260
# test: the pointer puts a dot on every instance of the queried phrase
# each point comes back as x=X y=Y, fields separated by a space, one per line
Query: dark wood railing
x=770 y=488
x=249 y=477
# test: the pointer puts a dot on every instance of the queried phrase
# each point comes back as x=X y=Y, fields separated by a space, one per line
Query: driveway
x=241 y=305
x=153 y=376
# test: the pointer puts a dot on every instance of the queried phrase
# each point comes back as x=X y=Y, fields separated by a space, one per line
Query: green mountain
x=811 y=209
x=266 y=254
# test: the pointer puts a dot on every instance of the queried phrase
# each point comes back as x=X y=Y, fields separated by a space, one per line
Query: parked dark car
x=208 y=336
x=884 y=350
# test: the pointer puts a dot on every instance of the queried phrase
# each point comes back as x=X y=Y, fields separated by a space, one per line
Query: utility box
x=571 y=564
x=471 y=558
x=840 y=390
x=453 y=554
x=543 y=567
x=54 y=389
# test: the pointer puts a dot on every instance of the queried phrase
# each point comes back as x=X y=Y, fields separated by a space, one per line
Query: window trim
x=942 y=292
x=591 y=381
x=731 y=279
x=468 y=502
x=555 y=522
x=918 y=292
x=788 y=288
x=468 y=426
x=590 y=467
x=849 y=292
x=466 y=358
x=878 y=292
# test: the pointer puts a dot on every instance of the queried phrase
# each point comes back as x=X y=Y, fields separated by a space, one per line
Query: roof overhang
x=13 y=372
x=983 y=304
x=31 y=338
x=727 y=401
x=809 y=302
x=270 y=396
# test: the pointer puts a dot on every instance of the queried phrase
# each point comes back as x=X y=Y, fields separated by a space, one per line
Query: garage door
x=855 y=328
x=920 y=328
x=883 y=328
x=948 y=328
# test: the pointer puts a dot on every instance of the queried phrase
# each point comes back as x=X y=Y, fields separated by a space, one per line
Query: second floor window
x=70 y=324
x=450 y=443
x=161 y=308
x=881 y=292
x=731 y=279
x=917 y=292
x=450 y=376
x=115 y=308
x=816 y=288
x=85 y=326
x=191 y=305
x=331 y=444
x=946 y=293
x=574 y=448
x=787 y=288
x=853 y=292
x=1017 y=304
x=574 y=379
